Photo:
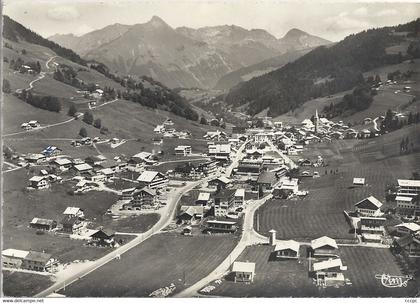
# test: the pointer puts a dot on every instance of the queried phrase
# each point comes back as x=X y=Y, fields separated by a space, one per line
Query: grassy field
x=19 y=284
x=290 y=277
x=321 y=212
x=20 y=207
x=133 y=224
x=158 y=262
x=17 y=111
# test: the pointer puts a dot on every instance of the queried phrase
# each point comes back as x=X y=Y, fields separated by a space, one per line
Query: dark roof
x=38 y=256
x=67 y=220
x=224 y=194
x=104 y=232
x=267 y=177
x=404 y=241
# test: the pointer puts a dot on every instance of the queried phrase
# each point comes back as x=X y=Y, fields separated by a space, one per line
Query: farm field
x=321 y=212
x=290 y=277
x=164 y=259
x=19 y=284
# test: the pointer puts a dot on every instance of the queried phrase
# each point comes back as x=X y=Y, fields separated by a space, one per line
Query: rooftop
x=322 y=241
x=243 y=267
x=287 y=244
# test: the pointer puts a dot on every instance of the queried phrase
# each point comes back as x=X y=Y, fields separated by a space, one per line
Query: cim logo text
x=393 y=281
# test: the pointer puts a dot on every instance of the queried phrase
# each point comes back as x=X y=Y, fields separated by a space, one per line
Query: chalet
x=28 y=260
x=410 y=244
x=323 y=247
x=37 y=261
x=364 y=134
x=34 y=123
x=188 y=214
x=221 y=226
x=83 y=168
x=203 y=199
x=208 y=168
x=287 y=187
x=243 y=271
x=219 y=151
x=103 y=237
x=71 y=224
x=43 y=224
x=108 y=173
x=127 y=193
x=135 y=163
x=358 y=181
x=86 y=141
x=372 y=225
x=145 y=157
x=408 y=187
x=75 y=212
x=328 y=272
x=220 y=183
x=141 y=199
x=407 y=228
x=39 y=182
x=157 y=140
x=51 y=151
x=183 y=150
x=408 y=205
x=264 y=136
x=369 y=207
x=239 y=197
x=249 y=168
x=35 y=158
x=25 y=126
x=62 y=164
x=253 y=154
x=223 y=201
x=215 y=135
x=266 y=180
x=159 y=129
x=95 y=160
x=287 y=249
x=13 y=258
x=152 y=179
x=280 y=171
x=304 y=162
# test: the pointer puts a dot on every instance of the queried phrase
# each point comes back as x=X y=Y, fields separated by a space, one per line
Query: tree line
x=49 y=103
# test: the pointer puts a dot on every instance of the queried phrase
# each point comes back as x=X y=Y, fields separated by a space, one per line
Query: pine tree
x=88 y=117
x=83 y=132
x=72 y=110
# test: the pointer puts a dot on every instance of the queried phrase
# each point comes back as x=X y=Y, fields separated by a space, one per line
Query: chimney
x=272 y=238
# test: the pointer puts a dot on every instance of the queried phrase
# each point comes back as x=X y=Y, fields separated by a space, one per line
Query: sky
x=329 y=20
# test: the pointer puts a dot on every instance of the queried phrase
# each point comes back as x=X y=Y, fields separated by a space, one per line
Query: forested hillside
x=324 y=71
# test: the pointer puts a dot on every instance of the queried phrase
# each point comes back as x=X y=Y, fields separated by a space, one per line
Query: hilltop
x=72 y=73
x=183 y=57
x=326 y=70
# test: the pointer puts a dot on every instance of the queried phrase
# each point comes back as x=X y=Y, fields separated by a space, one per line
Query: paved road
x=286 y=159
x=163 y=222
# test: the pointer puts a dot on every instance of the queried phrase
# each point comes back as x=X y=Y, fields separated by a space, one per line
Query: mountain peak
x=157 y=22
x=295 y=32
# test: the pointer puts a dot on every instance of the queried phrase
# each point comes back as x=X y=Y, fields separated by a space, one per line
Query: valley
x=148 y=160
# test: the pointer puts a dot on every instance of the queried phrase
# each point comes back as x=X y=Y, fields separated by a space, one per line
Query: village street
x=66 y=279
x=286 y=159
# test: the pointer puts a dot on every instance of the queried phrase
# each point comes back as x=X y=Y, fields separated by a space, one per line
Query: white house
x=239 y=197
x=152 y=179
x=39 y=182
x=287 y=249
x=409 y=187
x=74 y=212
x=243 y=271
x=369 y=207
x=183 y=150
x=407 y=228
x=358 y=181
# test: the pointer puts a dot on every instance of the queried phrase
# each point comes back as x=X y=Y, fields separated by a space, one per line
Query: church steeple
x=316 y=120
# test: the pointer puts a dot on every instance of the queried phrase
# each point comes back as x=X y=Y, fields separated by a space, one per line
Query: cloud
x=360 y=12
x=387 y=13
x=344 y=23
x=63 y=13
